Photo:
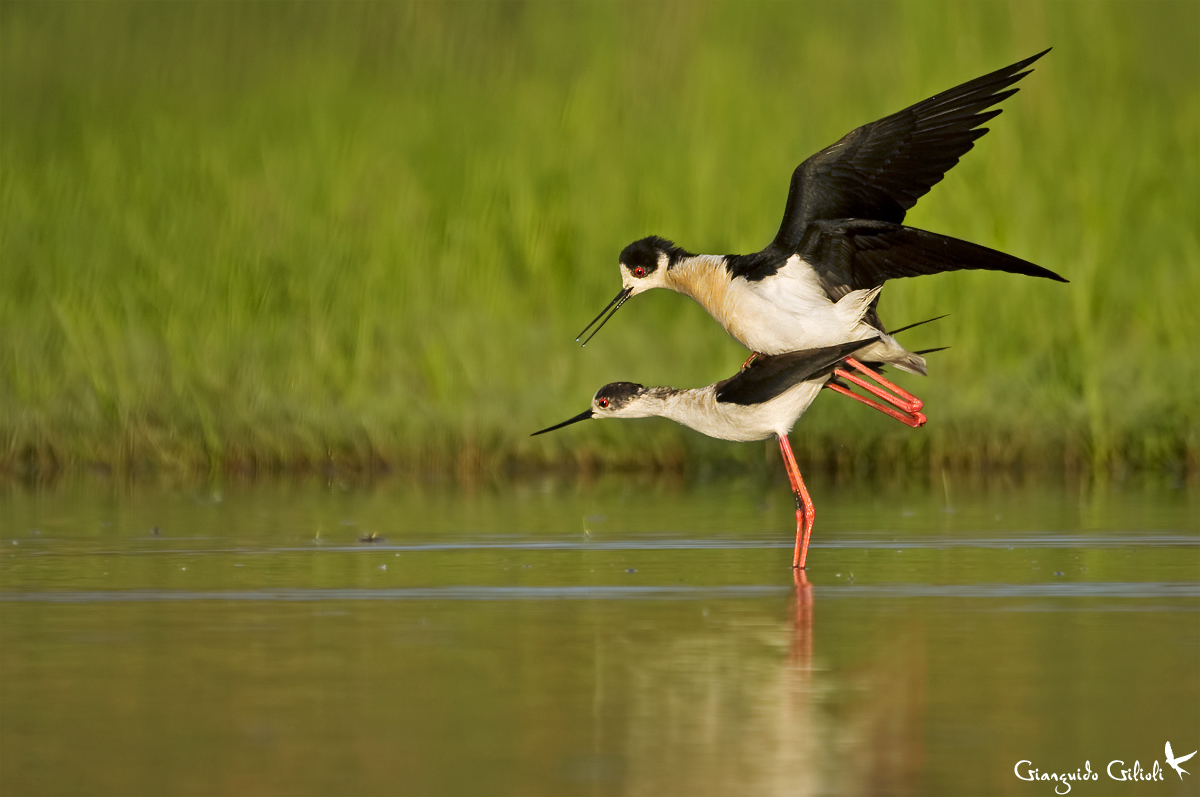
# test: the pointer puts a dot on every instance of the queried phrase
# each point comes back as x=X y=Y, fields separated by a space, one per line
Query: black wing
x=771 y=375
x=851 y=254
x=881 y=169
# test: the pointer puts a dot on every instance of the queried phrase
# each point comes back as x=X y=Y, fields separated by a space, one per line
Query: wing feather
x=880 y=170
x=772 y=375
x=851 y=254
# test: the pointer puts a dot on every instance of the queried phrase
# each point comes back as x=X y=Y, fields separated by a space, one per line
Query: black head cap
x=616 y=395
x=644 y=254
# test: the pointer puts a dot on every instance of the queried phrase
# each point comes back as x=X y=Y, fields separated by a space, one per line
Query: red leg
x=753 y=356
x=912 y=419
x=805 y=511
x=899 y=397
x=908 y=406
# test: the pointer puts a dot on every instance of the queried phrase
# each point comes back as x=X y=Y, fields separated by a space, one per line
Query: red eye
x=639 y=272
x=602 y=403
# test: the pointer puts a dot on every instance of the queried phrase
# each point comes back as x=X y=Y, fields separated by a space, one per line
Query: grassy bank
x=277 y=234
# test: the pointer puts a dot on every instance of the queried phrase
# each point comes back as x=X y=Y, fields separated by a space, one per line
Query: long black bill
x=583 y=416
x=614 y=305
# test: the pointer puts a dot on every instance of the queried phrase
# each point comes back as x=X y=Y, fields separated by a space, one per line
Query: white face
x=638 y=277
x=619 y=400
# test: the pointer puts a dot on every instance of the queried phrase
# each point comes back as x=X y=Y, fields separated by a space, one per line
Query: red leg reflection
x=802 y=651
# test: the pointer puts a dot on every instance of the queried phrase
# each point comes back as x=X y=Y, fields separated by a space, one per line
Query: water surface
x=620 y=636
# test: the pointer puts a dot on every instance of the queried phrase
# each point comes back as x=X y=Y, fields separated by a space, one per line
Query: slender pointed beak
x=614 y=305
x=583 y=416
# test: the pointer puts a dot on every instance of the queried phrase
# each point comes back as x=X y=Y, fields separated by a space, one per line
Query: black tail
x=871 y=252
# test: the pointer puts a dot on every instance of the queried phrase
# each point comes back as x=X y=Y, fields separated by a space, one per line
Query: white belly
x=787 y=311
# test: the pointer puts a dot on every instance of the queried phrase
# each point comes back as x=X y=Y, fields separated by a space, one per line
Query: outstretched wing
x=1173 y=760
x=772 y=375
x=881 y=169
x=851 y=254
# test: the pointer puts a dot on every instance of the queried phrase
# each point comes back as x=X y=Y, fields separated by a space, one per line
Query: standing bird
x=841 y=232
x=765 y=398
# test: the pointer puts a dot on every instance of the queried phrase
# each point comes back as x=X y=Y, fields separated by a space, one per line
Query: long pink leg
x=912 y=419
x=899 y=397
x=908 y=405
x=805 y=511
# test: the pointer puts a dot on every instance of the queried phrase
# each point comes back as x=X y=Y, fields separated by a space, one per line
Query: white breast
x=787 y=311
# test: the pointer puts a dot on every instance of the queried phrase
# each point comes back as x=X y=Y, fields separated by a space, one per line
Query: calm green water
x=624 y=636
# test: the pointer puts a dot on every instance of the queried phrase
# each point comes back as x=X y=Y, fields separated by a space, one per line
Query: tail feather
x=889 y=352
x=854 y=305
x=912 y=362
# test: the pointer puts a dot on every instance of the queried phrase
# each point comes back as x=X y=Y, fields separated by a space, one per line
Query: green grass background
x=275 y=234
